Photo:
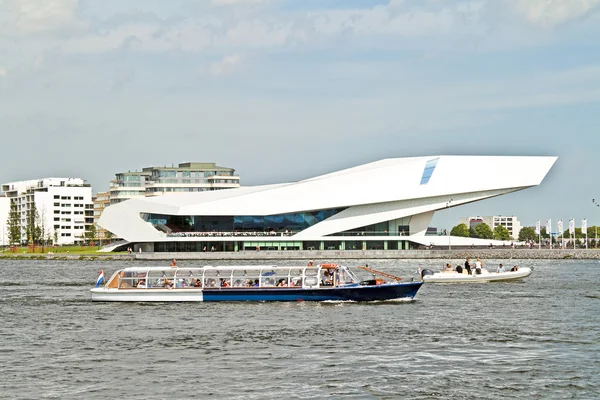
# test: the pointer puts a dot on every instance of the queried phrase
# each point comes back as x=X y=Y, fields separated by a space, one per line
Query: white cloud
x=227 y=65
x=25 y=17
x=2 y=72
x=550 y=13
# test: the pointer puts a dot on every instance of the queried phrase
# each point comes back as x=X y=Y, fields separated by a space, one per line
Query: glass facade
x=293 y=222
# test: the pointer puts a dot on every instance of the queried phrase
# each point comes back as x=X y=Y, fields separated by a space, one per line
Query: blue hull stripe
x=354 y=293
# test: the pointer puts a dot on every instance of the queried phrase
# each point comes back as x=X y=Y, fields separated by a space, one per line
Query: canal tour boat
x=324 y=282
x=429 y=276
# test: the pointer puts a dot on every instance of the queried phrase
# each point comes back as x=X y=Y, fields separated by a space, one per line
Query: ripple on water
x=537 y=338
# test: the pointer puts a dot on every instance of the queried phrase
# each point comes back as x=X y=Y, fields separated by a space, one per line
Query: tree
x=32 y=229
x=108 y=235
x=483 y=231
x=41 y=228
x=13 y=224
x=55 y=236
x=460 y=230
x=528 y=233
x=90 y=233
x=501 y=233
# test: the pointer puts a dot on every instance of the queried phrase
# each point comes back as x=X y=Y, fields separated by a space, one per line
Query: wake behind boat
x=324 y=282
x=429 y=276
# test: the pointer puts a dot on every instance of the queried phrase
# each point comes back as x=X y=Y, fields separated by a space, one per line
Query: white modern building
x=511 y=223
x=4 y=209
x=386 y=204
x=64 y=206
x=187 y=177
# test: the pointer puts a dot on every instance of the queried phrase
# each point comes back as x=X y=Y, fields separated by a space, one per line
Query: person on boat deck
x=141 y=283
x=256 y=284
x=223 y=283
x=448 y=268
x=237 y=283
x=468 y=266
x=500 y=269
x=459 y=269
x=310 y=263
x=168 y=284
x=174 y=263
x=196 y=282
x=514 y=269
x=478 y=265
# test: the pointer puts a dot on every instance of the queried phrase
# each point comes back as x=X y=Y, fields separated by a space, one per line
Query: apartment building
x=64 y=207
x=509 y=222
x=185 y=177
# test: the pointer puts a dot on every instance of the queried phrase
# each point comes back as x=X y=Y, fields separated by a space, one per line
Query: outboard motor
x=426 y=272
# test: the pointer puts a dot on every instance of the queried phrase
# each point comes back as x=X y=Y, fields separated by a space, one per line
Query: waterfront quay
x=326 y=255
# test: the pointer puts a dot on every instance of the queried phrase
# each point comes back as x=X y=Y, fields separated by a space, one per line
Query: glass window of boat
x=269 y=277
x=212 y=277
x=311 y=276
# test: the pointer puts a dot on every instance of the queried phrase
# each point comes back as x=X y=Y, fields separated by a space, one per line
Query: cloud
x=550 y=13
x=226 y=65
x=2 y=72
x=26 y=17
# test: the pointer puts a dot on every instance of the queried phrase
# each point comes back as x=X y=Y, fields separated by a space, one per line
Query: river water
x=538 y=339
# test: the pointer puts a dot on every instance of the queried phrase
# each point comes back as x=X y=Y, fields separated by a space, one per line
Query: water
x=536 y=339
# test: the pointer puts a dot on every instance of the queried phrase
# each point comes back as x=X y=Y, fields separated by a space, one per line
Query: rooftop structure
x=185 y=178
x=386 y=204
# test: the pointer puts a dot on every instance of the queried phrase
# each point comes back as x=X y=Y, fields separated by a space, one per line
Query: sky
x=283 y=90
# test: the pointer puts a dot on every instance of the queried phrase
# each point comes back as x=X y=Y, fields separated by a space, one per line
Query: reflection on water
x=537 y=338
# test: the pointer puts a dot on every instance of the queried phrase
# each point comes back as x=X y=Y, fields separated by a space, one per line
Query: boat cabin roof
x=231 y=268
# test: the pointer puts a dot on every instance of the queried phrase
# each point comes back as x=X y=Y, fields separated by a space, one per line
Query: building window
x=428 y=171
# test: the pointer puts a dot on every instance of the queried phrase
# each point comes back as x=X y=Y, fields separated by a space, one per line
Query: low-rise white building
x=509 y=222
x=64 y=206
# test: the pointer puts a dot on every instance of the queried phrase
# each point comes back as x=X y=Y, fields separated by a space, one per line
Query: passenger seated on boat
x=459 y=269
x=168 y=284
x=256 y=284
x=196 y=282
x=500 y=269
x=141 y=283
x=223 y=283
x=210 y=282
x=250 y=283
x=282 y=283
x=448 y=268
x=237 y=283
x=514 y=269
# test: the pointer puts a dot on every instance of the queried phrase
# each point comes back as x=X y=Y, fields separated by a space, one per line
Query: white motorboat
x=429 y=276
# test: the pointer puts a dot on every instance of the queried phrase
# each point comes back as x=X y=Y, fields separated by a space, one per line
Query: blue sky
x=283 y=90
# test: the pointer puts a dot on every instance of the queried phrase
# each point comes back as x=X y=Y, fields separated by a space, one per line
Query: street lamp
x=448 y=205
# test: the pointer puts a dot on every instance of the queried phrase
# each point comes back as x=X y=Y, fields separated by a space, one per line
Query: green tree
x=527 y=233
x=90 y=233
x=501 y=233
x=483 y=231
x=13 y=224
x=460 y=230
x=32 y=229
x=109 y=235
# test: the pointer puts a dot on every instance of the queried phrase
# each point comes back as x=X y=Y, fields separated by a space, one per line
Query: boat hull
x=405 y=291
x=445 y=277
